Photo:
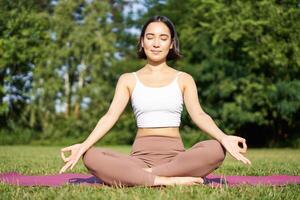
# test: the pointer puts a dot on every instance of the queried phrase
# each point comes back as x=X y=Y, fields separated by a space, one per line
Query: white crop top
x=157 y=106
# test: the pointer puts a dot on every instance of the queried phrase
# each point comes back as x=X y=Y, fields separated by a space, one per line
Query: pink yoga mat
x=14 y=178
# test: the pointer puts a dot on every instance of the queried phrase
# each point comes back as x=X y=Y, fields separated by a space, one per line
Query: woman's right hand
x=77 y=150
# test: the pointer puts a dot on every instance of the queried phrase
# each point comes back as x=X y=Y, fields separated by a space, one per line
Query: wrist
x=221 y=137
x=85 y=146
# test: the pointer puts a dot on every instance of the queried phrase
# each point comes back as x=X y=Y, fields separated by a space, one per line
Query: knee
x=218 y=151
x=88 y=157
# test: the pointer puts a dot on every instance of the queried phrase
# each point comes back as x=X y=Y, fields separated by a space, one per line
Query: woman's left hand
x=231 y=144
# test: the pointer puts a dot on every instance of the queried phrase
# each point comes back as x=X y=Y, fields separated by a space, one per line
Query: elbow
x=108 y=120
x=199 y=117
x=111 y=117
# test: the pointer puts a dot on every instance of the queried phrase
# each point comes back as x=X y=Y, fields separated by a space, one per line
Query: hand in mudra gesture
x=76 y=152
x=231 y=144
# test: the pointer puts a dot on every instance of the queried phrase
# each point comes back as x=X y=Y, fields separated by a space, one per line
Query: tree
x=244 y=56
x=71 y=75
x=23 y=27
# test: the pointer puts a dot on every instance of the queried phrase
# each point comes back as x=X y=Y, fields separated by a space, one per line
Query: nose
x=156 y=42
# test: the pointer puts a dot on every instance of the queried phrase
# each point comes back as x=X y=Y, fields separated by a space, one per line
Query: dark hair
x=174 y=52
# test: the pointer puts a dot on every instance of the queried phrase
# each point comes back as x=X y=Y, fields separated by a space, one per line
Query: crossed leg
x=119 y=169
x=115 y=168
x=198 y=161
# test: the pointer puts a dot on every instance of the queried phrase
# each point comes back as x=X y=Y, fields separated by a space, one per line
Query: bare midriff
x=166 y=131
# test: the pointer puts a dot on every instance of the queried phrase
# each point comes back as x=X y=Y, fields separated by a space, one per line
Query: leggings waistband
x=157 y=143
x=158 y=136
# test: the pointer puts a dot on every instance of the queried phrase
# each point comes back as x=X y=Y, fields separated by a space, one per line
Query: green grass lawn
x=37 y=160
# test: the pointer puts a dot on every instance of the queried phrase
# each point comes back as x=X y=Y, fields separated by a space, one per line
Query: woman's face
x=157 y=41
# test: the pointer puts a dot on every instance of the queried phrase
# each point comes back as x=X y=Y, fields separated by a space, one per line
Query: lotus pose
x=157 y=93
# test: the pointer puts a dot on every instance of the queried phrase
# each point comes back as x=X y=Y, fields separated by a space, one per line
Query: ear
x=171 y=45
x=142 y=42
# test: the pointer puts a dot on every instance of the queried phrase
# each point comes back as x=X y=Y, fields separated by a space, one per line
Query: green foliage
x=22 y=34
x=16 y=134
x=244 y=57
x=59 y=65
x=73 y=68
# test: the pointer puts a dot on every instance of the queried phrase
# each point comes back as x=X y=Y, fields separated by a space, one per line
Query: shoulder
x=126 y=79
x=125 y=76
x=186 y=76
x=186 y=79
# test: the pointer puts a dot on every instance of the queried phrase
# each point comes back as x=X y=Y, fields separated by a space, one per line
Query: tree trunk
x=80 y=86
x=67 y=92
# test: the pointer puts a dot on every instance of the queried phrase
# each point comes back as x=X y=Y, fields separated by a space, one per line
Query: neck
x=156 y=66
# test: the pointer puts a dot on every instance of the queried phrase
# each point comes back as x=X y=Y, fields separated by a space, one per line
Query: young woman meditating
x=157 y=93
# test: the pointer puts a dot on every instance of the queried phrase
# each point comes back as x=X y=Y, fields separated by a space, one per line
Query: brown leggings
x=165 y=155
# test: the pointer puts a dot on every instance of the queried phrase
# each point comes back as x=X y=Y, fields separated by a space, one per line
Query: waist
x=165 y=131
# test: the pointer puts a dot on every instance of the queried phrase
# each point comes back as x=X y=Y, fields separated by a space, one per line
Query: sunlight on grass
x=34 y=160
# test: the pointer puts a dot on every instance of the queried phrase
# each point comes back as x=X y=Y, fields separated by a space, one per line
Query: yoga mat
x=14 y=178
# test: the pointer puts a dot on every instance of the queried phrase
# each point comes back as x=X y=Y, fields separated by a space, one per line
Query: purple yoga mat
x=14 y=178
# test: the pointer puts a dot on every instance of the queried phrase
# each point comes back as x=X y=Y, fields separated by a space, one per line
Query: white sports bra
x=157 y=106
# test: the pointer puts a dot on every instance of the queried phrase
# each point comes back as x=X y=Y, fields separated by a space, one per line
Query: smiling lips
x=155 y=51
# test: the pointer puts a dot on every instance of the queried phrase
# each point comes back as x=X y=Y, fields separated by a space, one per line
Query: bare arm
x=198 y=116
x=206 y=123
x=106 y=122
x=117 y=106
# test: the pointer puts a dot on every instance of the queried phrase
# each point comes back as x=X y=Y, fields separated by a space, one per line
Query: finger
x=75 y=161
x=236 y=156
x=73 y=165
x=65 y=167
x=61 y=170
x=244 y=159
x=63 y=156
x=69 y=148
x=244 y=149
x=240 y=157
x=237 y=149
x=248 y=161
x=68 y=159
x=232 y=153
x=235 y=153
x=240 y=139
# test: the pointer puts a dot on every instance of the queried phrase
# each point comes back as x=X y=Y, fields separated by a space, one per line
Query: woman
x=157 y=93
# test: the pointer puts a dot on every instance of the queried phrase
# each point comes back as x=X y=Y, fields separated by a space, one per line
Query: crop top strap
x=135 y=75
x=177 y=75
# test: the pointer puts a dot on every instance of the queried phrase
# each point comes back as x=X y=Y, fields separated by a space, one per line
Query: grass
x=37 y=160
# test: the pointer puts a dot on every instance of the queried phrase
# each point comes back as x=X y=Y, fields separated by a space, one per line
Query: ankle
x=148 y=169
x=161 y=180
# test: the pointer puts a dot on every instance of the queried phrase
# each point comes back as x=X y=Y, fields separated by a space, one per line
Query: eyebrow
x=160 y=34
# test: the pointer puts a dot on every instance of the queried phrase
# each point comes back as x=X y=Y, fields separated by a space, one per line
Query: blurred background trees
x=60 y=61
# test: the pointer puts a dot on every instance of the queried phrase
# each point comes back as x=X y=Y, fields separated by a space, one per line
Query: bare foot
x=148 y=169
x=159 y=180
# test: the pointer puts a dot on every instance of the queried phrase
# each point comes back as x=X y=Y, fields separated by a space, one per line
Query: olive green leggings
x=166 y=156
